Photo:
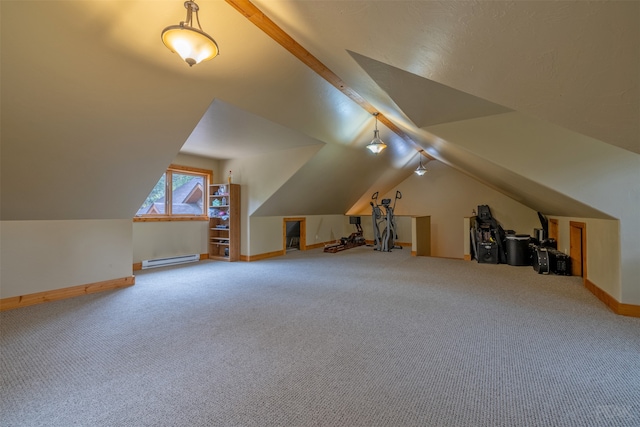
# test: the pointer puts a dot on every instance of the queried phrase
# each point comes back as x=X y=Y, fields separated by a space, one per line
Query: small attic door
x=294 y=233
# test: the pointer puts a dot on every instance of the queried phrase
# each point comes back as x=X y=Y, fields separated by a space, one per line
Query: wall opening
x=294 y=232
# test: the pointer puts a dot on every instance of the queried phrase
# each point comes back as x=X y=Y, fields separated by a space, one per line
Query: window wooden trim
x=208 y=175
x=167 y=218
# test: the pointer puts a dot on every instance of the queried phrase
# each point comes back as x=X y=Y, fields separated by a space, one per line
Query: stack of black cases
x=546 y=260
x=489 y=238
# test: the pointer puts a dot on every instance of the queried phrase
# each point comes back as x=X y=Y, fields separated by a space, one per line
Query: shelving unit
x=224 y=222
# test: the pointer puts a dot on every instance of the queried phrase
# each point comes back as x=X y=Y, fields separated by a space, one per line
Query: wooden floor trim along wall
x=58 y=294
x=617 y=307
x=318 y=245
x=262 y=256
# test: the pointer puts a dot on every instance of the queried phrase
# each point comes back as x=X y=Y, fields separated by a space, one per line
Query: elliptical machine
x=384 y=241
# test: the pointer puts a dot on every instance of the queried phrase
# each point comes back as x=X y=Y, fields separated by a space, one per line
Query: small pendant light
x=376 y=145
x=420 y=170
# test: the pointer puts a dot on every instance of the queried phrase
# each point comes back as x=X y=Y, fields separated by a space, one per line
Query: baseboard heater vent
x=163 y=262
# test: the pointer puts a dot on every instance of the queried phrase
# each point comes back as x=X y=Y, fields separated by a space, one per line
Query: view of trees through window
x=155 y=198
x=185 y=196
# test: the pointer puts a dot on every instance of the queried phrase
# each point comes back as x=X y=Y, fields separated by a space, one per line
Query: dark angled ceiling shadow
x=425 y=102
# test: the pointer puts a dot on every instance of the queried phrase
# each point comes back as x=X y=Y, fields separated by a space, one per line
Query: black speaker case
x=488 y=253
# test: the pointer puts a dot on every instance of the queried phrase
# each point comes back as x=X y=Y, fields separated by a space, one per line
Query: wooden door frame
x=420 y=251
x=583 y=227
x=553 y=230
x=303 y=232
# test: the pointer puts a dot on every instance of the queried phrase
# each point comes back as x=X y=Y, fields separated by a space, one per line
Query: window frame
x=168 y=215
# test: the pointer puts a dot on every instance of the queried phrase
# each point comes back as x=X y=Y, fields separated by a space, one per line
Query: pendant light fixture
x=420 y=170
x=192 y=44
x=376 y=145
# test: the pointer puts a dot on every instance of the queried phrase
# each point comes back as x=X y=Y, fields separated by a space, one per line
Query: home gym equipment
x=376 y=215
x=384 y=241
x=354 y=239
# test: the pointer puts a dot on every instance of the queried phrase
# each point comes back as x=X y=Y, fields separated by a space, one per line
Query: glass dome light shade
x=376 y=145
x=193 y=45
x=420 y=170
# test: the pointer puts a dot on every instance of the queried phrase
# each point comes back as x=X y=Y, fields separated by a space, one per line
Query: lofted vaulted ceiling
x=93 y=103
x=575 y=64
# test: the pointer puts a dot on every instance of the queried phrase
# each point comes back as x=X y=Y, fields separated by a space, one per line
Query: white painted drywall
x=38 y=256
x=163 y=239
x=603 y=251
x=267 y=231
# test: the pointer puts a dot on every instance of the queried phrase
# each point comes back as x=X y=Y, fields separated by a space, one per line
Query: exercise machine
x=382 y=216
x=354 y=239
x=376 y=215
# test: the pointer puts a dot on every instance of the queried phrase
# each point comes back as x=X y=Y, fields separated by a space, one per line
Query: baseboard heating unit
x=163 y=262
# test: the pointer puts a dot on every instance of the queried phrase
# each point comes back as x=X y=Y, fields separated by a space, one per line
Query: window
x=180 y=194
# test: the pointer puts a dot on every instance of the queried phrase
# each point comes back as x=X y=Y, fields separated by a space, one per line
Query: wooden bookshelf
x=224 y=222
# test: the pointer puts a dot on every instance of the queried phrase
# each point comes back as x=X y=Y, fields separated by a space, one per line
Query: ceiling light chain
x=192 y=44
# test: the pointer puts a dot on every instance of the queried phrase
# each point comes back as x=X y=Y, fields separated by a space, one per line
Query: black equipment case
x=549 y=260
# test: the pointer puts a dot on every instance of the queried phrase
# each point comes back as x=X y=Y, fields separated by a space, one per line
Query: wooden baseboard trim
x=467 y=257
x=262 y=256
x=414 y=253
x=64 y=293
x=317 y=245
x=617 y=307
x=403 y=244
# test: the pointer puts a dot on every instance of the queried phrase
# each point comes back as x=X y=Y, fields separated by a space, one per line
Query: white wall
x=327 y=228
x=264 y=174
x=38 y=256
x=165 y=239
x=266 y=231
x=266 y=235
x=603 y=251
x=213 y=165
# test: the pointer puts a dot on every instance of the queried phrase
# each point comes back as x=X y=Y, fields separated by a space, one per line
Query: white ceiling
x=224 y=132
x=103 y=103
x=429 y=62
x=576 y=64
